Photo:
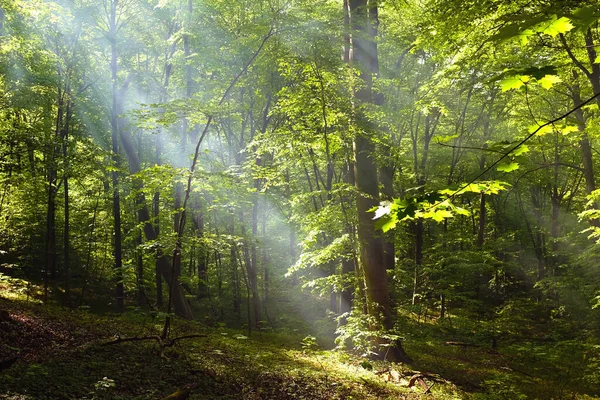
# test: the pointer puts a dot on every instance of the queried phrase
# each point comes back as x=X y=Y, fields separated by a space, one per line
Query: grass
x=62 y=357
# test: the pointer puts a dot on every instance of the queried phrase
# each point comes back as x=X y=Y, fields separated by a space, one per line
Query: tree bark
x=249 y=254
x=363 y=21
x=67 y=209
x=156 y=215
x=202 y=256
x=117 y=250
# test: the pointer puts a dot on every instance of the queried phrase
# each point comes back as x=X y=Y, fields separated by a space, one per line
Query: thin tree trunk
x=67 y=210
x=482 y=214
x=156 y=215
x=118 y=256
x=202 y=257
x=418 y=232
x=386 y=177
x=237 y=298
x=251 y=273
x=50 y=270
x=265 y=260
x=89 y=253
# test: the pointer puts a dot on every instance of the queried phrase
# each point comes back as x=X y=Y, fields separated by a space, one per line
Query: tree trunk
x=118 y=256
x=182 y=307
x=418 y=232
x=67 y=222
x=249 y=254
x=265 y=260
x=202 y=256
x=237 y=296
x=386 y=177
x=363 y=20
x=50 y=271
x=482 y=213
x=156 y=214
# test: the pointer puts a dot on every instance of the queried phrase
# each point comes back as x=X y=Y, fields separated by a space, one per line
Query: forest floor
x=62 y=355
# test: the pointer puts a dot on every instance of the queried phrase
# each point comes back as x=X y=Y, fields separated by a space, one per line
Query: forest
x=299 y=199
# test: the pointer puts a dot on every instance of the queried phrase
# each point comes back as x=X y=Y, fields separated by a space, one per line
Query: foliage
x=486 y=215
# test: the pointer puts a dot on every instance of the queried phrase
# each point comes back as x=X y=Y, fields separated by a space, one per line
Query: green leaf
x=556 y=26
x=387 y=223
x=548 y=80
x=512 y=82
x=585 y=16
x=569 y=129
x=542 y=129
x=462 y=211
x=438 y=215
x=444 y=139
x=508 y=167
x=524 y=37
x=506 y=32
x=522 y=149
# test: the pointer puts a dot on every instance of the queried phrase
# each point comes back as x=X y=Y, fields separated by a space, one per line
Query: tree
x=364 y=24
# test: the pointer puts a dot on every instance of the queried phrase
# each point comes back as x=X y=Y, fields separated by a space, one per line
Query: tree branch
x=573 y=58
x=522 y=142
x=468 y=148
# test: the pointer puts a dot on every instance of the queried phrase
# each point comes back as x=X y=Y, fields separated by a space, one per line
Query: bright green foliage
x=488 y=211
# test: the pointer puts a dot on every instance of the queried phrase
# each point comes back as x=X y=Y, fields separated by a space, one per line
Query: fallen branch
x=415 y=374
x=418 y=378
x=462 y=344
x=174 y=340
x=134 y=339
x=383 y=371
x=429 y=388
x=162 y=343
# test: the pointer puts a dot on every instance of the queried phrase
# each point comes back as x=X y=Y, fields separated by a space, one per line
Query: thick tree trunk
x=364 y=27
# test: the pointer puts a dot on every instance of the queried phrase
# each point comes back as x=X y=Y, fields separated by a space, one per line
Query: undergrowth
x=62 y=356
